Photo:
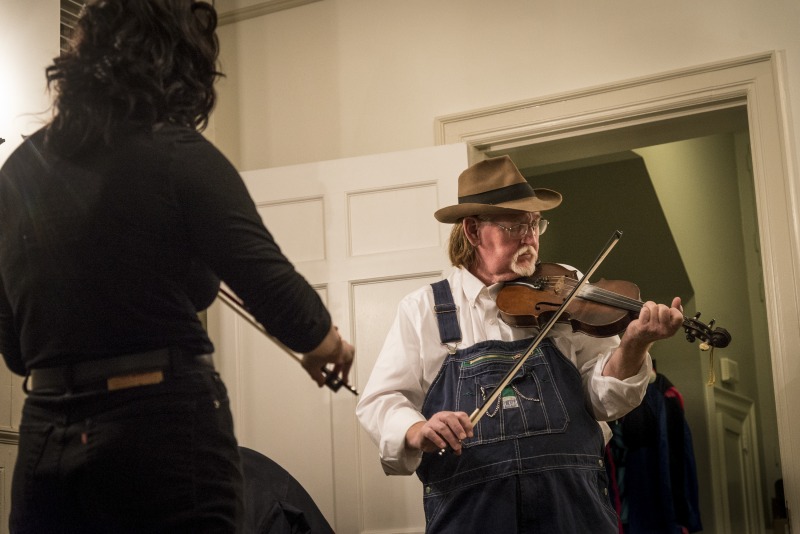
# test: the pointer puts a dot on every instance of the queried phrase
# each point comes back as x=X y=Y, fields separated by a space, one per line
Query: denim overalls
x=535 y=463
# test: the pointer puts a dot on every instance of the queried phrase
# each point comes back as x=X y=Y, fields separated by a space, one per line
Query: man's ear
x=470 y=226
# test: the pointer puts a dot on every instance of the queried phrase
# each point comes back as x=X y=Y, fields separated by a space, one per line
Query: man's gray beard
x=526 y=270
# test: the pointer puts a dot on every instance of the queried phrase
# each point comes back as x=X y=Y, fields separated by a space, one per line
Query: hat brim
x=545 y=199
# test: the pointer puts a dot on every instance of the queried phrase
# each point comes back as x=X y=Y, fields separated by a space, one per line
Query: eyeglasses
x=520 y=231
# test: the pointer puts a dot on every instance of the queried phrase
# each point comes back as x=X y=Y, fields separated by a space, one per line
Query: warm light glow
x=29 y=44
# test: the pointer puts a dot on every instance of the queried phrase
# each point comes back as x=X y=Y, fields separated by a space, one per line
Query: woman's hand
x=333 y=350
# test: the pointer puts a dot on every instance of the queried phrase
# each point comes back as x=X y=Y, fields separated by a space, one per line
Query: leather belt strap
x=116 y=372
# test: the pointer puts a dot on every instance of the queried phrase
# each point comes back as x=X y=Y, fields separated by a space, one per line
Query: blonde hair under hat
x=495 y=187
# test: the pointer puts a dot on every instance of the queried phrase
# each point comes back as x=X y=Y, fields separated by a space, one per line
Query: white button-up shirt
x=412 y=355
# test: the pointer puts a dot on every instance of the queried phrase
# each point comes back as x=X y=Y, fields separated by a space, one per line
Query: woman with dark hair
x=117 y=221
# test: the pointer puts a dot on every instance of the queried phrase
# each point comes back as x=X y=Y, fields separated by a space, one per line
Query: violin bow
x=479 y=412
x=331 y=380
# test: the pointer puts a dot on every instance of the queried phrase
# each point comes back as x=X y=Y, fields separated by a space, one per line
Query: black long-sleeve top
x=116 y=250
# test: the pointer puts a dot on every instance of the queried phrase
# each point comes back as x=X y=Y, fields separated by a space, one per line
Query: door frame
x=636 y=105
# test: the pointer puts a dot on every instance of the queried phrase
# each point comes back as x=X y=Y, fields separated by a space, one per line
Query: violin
x=600 y=309
x=554 y=294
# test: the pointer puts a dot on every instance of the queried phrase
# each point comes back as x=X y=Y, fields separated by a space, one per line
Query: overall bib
x=535 y=463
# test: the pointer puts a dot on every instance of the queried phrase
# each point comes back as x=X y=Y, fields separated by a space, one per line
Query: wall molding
x=9 y=437
x=608 y=107
x=261 y=8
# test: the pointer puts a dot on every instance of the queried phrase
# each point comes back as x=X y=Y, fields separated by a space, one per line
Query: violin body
x=600 y=309
x=531 y=302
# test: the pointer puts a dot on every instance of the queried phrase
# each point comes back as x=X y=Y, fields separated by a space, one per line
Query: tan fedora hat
x=494 y=187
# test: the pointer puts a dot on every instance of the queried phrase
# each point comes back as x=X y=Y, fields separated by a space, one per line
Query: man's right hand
x=443 y=430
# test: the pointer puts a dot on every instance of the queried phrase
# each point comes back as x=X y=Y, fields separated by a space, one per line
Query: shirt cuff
x=612 y=398
x=396 y=458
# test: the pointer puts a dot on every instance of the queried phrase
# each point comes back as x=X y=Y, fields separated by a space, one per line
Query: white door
x=362 y=232
x=739 y=473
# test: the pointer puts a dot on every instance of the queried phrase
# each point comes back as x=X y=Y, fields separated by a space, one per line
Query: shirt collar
x=473 y=287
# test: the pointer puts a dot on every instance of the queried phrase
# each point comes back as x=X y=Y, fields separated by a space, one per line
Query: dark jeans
x=156 y=458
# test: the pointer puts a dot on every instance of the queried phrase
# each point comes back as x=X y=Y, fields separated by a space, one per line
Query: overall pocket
x=530 y=404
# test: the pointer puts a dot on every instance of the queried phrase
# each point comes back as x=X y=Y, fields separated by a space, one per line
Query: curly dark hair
x=134 y=63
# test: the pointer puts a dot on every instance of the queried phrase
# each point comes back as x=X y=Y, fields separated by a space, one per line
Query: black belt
x=113 y=373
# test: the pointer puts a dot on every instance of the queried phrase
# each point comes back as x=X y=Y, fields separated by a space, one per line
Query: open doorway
x=685 y=207
x=675 y=172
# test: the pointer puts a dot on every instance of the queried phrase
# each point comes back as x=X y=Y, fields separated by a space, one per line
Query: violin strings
x=603 y=296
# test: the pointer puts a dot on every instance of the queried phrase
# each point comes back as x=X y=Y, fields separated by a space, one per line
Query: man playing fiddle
x=534 y=461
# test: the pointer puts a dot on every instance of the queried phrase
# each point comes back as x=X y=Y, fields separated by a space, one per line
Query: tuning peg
x=720 y=338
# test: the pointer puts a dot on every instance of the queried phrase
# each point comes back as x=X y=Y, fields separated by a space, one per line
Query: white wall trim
x=526 y=121
x=9 y=437
x=261 y=8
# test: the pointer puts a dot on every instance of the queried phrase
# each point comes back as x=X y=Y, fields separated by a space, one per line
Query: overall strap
x=445 y=308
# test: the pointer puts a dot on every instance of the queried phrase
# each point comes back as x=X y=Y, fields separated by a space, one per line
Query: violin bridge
x=559 y=285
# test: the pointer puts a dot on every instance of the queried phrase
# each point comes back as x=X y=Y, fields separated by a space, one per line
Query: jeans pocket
x=149 y=441
x=33 y=438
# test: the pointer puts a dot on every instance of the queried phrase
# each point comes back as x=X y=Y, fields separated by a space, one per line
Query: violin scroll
x=711 y=337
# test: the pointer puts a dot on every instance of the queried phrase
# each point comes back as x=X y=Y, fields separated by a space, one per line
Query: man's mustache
x=525 y=249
